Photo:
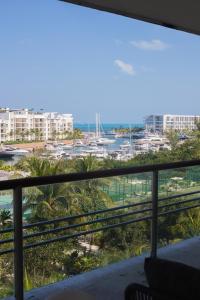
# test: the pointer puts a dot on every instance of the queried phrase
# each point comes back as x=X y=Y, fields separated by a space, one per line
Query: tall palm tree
x=37 y=134
x=18 y=134
x=32 y=134
x=47 y=200
x=92 y=188
x=11 y=134
x=77 y=133
x=88 y=195
x=61 y=199
x=173 y=138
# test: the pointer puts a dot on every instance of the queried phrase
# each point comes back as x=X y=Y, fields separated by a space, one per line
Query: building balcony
x=150 y=209
x=109 y=282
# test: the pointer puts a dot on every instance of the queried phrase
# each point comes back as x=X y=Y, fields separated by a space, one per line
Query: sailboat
x=99 y=140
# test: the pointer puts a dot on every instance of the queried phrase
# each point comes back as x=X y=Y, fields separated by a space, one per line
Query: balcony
x=152 y=208
x=101 y=283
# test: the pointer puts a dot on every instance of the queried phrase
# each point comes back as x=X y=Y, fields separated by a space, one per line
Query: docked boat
x=16 y=151
x=125 y=145
x=5 y=154
x=57 y=154
x=67 y=147
x=138 y=135
x=98 y=139
x=79 y=143
x=104 y=141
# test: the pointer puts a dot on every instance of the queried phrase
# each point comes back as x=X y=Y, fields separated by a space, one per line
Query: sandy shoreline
x=38 y=145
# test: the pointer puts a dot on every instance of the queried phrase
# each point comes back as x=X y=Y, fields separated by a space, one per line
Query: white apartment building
x=18 y=124
x=162 y=123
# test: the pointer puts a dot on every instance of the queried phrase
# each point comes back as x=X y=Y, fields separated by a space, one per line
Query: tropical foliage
x=55 y=261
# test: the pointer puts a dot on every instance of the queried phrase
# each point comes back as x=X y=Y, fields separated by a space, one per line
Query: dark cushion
x=173 y=278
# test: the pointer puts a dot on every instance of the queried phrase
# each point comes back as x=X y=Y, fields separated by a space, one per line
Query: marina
x=104 y=146
x=119 y=142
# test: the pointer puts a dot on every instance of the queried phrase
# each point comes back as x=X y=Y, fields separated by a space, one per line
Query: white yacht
x=104 y=141
x=16 y=151
x=125 y=145
x=67 y=147
x=79 y=143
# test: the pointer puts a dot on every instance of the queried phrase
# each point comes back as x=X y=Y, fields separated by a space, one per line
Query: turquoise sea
x=106 y=127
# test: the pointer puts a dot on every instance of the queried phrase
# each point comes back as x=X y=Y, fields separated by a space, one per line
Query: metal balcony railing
x=150 y=209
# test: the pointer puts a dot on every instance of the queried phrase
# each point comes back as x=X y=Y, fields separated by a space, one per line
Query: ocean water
x=106 y=127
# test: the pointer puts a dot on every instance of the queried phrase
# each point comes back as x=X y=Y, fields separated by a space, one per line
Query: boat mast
x=97 y=125
x=130 y=137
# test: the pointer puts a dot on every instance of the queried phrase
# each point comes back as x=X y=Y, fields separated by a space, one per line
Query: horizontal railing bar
x=6 y=230
x=7 y=251
x=97 y=212
x=6 y=241
x=179 y=202
x=29 y=246
x=179 y=195
x=99 y=229
x=71 y=177
x=10 y=229
x=69 y=218
x=85 y=223
x=97 y=221
x=89 y=214
x=66 y=237
x=178 y=210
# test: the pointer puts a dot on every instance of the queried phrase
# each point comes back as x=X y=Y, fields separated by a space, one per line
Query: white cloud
x=124 y=67
x=155 y=45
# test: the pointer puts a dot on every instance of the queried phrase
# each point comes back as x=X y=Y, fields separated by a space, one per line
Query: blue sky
x=61 y=57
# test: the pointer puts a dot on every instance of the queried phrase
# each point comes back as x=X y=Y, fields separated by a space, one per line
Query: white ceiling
x=178 y=14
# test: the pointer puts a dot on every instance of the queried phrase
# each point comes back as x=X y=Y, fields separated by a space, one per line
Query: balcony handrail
x=151 y=213
x=72 y=217
x=71 y=177
x=99 y=220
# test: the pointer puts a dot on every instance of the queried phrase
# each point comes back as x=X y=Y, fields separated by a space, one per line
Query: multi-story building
x=162 y=123
x=154 y=123
x=19 y=124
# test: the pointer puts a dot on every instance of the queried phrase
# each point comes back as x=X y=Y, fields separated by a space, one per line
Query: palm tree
x=11 y=134
x=92 y=189
x=173 y=138
x=45 y=201
x=66 y=134
x=88 y=195
x=87 y=164
x=189 y=225
x=61 y=199
x=18 y=134
x=37 y=134
x=5 y=217
x=77 y=133
x=32 y=134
